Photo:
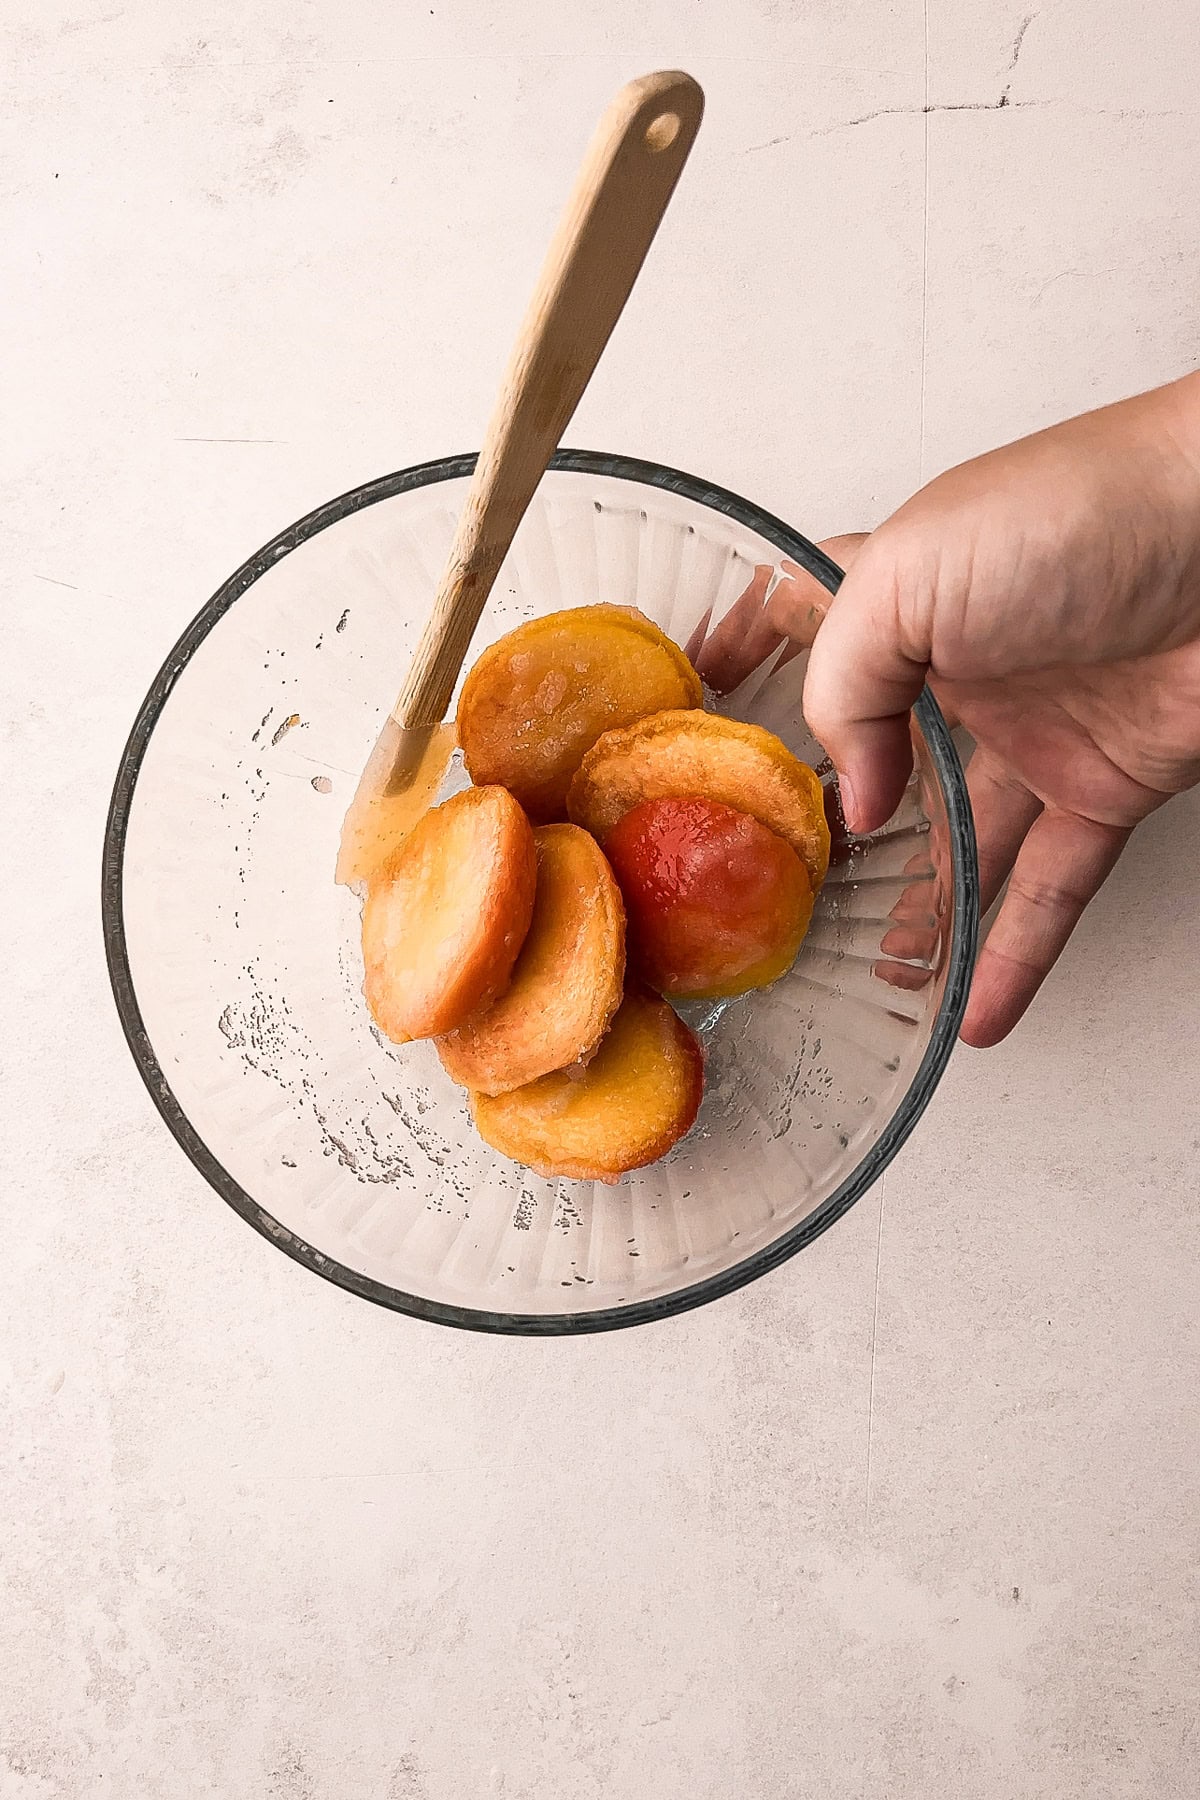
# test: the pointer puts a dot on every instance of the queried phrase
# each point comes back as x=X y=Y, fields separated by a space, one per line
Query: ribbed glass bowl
x=235 y=959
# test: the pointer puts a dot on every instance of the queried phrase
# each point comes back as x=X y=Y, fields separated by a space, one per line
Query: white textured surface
x=918 y=1514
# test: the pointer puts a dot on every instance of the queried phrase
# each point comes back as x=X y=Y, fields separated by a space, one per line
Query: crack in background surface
x=1003 y=103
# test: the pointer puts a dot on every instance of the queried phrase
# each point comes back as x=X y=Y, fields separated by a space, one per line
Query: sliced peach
x=678 y=754
x=639 y=1094
x=538 y=699
x=567 y=981
x=447 y=914
x=717 y=904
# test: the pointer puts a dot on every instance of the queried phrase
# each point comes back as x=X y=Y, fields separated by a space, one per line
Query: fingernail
x=849 y=804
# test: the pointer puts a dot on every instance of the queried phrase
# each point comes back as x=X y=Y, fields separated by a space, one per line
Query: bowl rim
x=964 y=928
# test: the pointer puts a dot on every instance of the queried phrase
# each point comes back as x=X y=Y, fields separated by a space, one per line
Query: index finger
x=1062 y=864
x=739 y=642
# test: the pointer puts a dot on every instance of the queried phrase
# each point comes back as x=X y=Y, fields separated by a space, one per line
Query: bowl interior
x=236 y=958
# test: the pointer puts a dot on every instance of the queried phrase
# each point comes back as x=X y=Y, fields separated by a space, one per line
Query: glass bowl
x=235 y=959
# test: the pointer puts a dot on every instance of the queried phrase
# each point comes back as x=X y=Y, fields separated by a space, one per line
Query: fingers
x=860 y=686
x=909 y=948
x=755 y=626
x=873 y=758
x=841 y=550
x=946 y=695
x=1062 y=863
x=741 y=641
x=799 y=603
x=1004 y=810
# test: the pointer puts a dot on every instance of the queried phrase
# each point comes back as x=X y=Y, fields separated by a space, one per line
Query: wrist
x=1177 y=422
x=1178 y=410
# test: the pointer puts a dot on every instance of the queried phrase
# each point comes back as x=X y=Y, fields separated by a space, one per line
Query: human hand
x=1050 y=594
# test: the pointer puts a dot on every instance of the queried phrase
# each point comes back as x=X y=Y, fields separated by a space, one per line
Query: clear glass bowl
x=235 y=959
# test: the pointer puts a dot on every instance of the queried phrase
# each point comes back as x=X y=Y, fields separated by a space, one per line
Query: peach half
x=717 y=904
x=639 y=1095
x=566 y=983
x=676 y=755
x=539 y=697
x=447 y=914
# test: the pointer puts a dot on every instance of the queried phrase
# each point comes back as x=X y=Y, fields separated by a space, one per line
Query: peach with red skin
x=716 y=903
x=676 y=754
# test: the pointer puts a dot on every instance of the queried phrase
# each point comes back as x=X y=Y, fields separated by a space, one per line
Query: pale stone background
x=917 y=1516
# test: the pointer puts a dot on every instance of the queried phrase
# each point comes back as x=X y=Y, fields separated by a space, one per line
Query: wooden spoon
x=626 y=181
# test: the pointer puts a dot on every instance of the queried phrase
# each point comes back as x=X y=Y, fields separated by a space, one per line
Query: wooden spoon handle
x=622 y=191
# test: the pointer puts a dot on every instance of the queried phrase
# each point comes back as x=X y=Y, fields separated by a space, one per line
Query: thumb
x=860 y=686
